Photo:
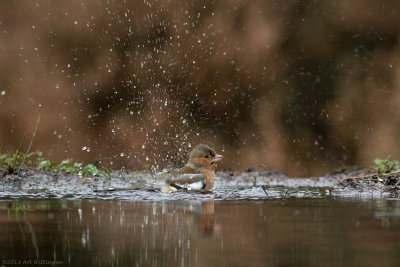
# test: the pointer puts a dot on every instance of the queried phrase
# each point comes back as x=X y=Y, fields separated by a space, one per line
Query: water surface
x=270 y=232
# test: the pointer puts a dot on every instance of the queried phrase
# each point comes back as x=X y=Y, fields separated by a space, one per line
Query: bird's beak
x=217 y=158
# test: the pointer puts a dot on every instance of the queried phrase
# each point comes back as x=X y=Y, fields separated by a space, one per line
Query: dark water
x=271 y=232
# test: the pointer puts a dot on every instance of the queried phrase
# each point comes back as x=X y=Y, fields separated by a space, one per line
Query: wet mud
x=145 y=186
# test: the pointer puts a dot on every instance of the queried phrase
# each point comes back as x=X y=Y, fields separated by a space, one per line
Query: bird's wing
x=184 y=170
x=186 y=178
x=185 y=175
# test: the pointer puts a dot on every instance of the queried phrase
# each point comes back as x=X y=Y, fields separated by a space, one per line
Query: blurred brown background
x=299 y=86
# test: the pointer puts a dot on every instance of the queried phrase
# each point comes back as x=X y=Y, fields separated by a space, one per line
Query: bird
x=197 y=174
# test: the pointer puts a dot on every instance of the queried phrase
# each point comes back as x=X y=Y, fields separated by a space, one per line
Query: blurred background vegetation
x=299 y=86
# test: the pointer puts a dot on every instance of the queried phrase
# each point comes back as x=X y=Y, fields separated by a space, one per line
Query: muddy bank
x=251 y=184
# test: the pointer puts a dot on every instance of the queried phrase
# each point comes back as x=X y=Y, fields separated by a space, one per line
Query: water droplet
x=3 y=92
x=189 y=145
x=143 y=146
x=147 y=158
x=122 y=154
x=184 y=121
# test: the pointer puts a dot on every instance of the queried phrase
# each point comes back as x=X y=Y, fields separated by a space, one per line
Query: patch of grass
x=5 y=160
x=386 y=166
x=10 y=162
x=35 y=160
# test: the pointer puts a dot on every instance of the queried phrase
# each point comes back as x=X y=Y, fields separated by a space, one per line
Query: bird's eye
x=206 y=156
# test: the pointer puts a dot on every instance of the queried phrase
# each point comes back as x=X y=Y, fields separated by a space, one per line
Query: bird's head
x=203 y=158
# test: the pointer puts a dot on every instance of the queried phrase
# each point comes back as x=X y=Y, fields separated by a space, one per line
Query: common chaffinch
x=197 y=174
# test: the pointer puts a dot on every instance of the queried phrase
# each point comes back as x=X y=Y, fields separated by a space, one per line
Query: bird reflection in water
x=206 y=219
x=202 y=218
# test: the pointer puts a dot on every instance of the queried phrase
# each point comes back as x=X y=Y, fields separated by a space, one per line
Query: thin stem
x=18 y=151
x=30 y=144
